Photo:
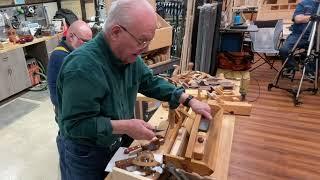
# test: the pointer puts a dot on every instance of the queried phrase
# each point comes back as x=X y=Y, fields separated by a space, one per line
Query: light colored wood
x=237 y=108
x=159 y=64
x=180 y=142
x=218 y=90
x=195 y=93
x=120 y=174
x=200 y=146
x=186 y=46
x=163 y=36
x=184 y=112
x=267 y=12
x=6 y=2
x=172 y=118
x=11 y=46
x=74 y=6
x=188 y=122
x=224 y=151
x=211 y=152
x=193 y=136
x=188 y=165
x=90 y=12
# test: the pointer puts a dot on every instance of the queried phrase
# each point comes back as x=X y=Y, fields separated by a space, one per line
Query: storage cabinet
x=5 y=80
x=13 y=73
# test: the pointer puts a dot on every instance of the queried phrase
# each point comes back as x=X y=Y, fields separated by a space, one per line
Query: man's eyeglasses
x=141 y=44
x=83 y=40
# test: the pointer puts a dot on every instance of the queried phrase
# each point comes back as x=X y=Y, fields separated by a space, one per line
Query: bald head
x=78 y=33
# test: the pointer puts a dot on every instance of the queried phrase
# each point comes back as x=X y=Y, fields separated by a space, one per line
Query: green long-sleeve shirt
x=94 y=87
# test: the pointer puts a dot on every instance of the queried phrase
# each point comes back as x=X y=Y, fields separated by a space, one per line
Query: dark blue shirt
x=306 y=7
x=54 y=65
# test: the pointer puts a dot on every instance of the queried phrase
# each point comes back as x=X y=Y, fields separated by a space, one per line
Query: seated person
x=302 y=15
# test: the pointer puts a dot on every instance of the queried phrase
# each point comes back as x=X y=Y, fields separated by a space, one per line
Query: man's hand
x=299 y=19
x=135 y=128
x=201 y=108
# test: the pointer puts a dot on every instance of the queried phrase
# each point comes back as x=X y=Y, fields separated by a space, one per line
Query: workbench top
x=11 y=46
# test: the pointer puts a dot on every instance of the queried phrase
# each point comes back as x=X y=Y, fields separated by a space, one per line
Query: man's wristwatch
x=186 y=102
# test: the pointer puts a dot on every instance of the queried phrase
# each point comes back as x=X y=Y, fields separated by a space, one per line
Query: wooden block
x=172 y=118
x=200 y=145
x=180 y=143
x=237 y=108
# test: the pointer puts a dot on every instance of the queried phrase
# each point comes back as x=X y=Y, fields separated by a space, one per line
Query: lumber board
x=225 y=145
x=193 y=135
x=180 y=142
x=188 y=122
x=186 y=46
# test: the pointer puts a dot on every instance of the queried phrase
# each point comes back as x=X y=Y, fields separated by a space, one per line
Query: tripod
x=311 y=57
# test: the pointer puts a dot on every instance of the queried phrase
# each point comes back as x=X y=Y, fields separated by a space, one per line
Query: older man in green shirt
x=97 y=88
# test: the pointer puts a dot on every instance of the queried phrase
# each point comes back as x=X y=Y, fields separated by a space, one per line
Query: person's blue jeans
x=288 y=45
x=81 y=162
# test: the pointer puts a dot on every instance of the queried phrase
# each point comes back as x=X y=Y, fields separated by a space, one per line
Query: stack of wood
x=156 y=57
x=201 y=80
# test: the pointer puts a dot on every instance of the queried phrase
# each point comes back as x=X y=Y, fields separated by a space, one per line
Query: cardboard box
x=163 y=35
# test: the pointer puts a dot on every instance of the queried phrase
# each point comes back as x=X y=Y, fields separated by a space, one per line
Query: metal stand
x=311 y=57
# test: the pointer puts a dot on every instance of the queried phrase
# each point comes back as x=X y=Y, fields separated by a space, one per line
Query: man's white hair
x=119 y=12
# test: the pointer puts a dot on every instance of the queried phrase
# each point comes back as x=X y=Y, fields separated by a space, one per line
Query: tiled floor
x=27 y=136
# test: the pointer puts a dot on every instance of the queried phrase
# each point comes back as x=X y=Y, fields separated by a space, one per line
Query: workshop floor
x=27 y=136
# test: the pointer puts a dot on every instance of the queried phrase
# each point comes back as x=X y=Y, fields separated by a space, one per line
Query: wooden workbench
x=11 y=46
x=222 y=165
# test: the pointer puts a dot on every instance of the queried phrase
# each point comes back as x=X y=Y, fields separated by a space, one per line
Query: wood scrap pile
x=203 y=81
x=156 y=56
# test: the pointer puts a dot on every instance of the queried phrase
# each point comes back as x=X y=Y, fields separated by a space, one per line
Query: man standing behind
x=302 y=15
x=97 y=89
x=78 y=33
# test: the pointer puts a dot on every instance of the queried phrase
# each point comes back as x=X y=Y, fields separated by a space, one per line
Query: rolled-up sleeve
x=158 y=88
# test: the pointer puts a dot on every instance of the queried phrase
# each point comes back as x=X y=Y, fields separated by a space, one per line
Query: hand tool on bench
x=152 y=146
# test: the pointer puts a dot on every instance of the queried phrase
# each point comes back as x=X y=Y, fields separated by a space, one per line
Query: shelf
x=161 y=67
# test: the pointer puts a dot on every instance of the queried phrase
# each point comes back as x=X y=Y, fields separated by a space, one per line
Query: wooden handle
x=131 y=149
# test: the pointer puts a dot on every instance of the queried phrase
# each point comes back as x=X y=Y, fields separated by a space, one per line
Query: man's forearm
x=119 y=127
x=301 y=19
